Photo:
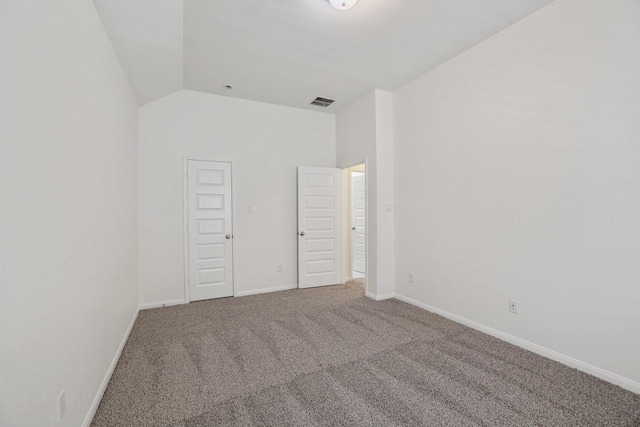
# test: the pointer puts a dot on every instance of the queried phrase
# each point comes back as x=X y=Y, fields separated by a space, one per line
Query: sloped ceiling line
x=290 y=52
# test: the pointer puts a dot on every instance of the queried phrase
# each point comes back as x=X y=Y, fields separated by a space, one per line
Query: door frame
x=366 y=220
x=185 y=217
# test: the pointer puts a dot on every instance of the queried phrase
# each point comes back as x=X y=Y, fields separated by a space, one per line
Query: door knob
x=228 y=236
x=353 y=228
x=302 y=233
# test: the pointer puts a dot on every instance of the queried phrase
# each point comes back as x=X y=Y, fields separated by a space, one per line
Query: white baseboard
x=267 y=290
x=105 y=382
x=616 y=379
x=379 y=297
x=158 y=304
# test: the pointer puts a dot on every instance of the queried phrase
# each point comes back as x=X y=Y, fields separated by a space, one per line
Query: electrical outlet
x=62 y=405
x=279 y=268
x=513 y=306
x=412 y=277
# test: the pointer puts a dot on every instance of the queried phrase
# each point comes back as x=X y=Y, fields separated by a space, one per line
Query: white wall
x=268 y=142
x=148 y=39
x=68 y=216
x=385 y=195
x=517 y=178
x=355 y=142
x=364 y=130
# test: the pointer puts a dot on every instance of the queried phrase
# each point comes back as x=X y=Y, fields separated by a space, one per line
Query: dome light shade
x=343 y=4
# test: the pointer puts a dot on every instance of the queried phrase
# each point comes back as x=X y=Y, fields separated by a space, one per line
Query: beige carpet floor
x=331 y=357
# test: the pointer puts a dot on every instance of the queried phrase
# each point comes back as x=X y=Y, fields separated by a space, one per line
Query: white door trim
x=185 y=217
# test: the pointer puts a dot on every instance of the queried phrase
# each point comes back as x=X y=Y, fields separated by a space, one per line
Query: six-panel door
x=210 y=230
x=319 y=226
x=358 y=221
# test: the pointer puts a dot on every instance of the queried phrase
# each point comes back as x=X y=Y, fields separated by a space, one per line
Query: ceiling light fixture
x=343 y=4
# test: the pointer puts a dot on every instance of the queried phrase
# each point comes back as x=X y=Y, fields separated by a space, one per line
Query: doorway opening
x=355 y=214
x=332 y=226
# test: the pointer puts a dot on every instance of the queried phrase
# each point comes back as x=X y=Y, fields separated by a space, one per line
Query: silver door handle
x=228 y=236
x=302 y=233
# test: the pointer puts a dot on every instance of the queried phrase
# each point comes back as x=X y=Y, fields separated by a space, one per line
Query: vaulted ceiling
x=288 y=52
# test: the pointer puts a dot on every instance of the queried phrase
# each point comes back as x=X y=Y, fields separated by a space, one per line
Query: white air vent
x=322 y=102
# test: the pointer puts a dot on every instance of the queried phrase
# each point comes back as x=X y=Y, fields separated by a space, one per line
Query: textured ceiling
x=290 y=51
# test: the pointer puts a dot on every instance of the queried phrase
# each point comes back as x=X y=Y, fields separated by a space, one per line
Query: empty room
x=319 y=213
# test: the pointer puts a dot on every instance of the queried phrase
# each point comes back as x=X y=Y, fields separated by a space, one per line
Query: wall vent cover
x=322 y=102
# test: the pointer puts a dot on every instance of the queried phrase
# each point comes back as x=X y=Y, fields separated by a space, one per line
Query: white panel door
x=319 y=226
x=358 y=222
x=210 y=230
